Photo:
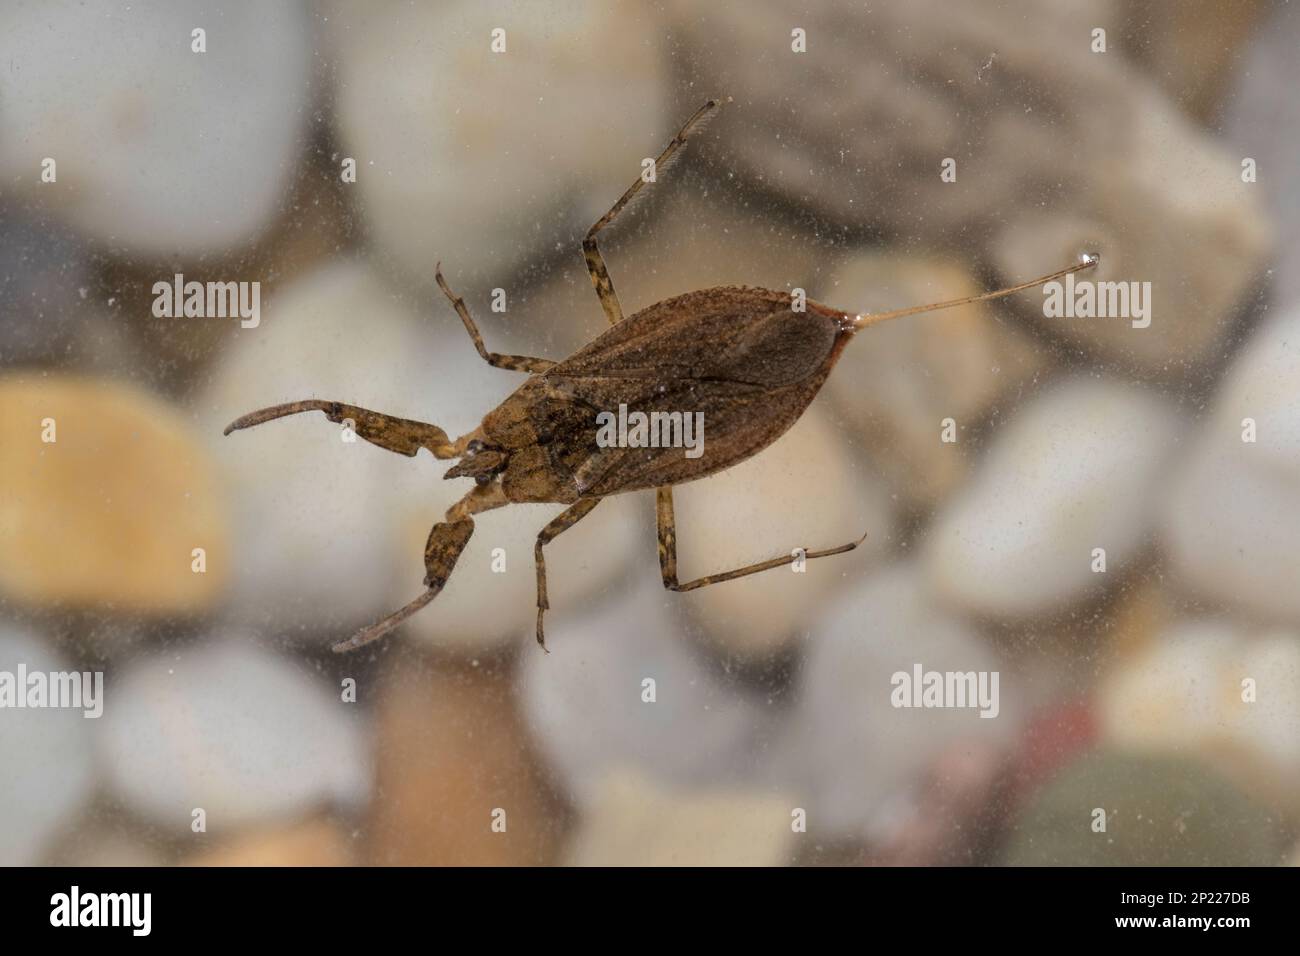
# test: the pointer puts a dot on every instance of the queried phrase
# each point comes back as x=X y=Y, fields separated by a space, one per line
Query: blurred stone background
x=1119 y=690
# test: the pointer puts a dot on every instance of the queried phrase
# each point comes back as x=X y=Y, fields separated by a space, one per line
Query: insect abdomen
x=739 y=359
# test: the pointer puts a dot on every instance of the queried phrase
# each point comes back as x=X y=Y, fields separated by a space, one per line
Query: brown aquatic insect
x=750 y=360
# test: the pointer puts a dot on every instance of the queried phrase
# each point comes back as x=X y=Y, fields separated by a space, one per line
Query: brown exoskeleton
x=748 y=359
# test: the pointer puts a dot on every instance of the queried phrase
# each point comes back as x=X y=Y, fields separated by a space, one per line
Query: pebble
x=451 y=750
x=1081 y=467
x=184 y=168
x=1193 y=49
x=1055 y=148
x=46 y=756
x=1201 y=239
x=634 y=822
x=585 y=701
x=485 y=158
x=1230 y=521
x=1160 y=811
x=898 y=382
x=1185 y=695
x=923 y=86
x=231 y=728
x=865 y=767
x=125 y=475
x=1261 y=120
x=314 y=842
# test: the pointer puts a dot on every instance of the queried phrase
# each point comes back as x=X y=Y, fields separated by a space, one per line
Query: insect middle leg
x=446 y=541
x=561 y=522
x=515 y=363
x=595 y=263
x=668 y=551
x=401 y=435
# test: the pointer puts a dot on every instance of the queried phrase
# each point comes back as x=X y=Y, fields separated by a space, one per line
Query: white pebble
x=479 y=157
x=584 y=700
x=1081 y=468
x=1231 y=523
x=45 y=755
x=234 y=730
x=859 y=759
x=159 y=150
x=1188 y=692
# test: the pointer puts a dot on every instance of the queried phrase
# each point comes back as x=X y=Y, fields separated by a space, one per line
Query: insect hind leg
x=562 y=522
x=668 y=551
x=591 y=251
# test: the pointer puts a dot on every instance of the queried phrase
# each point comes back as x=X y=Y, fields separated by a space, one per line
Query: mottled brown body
x=740 y=356
x=747 y=359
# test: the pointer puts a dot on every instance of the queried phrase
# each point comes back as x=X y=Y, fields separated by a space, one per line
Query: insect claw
x=541 y=635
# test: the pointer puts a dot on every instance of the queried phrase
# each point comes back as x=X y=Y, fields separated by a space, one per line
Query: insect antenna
x=862 y=321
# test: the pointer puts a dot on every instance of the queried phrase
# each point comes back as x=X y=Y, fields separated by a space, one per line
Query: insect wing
x=739 y=362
